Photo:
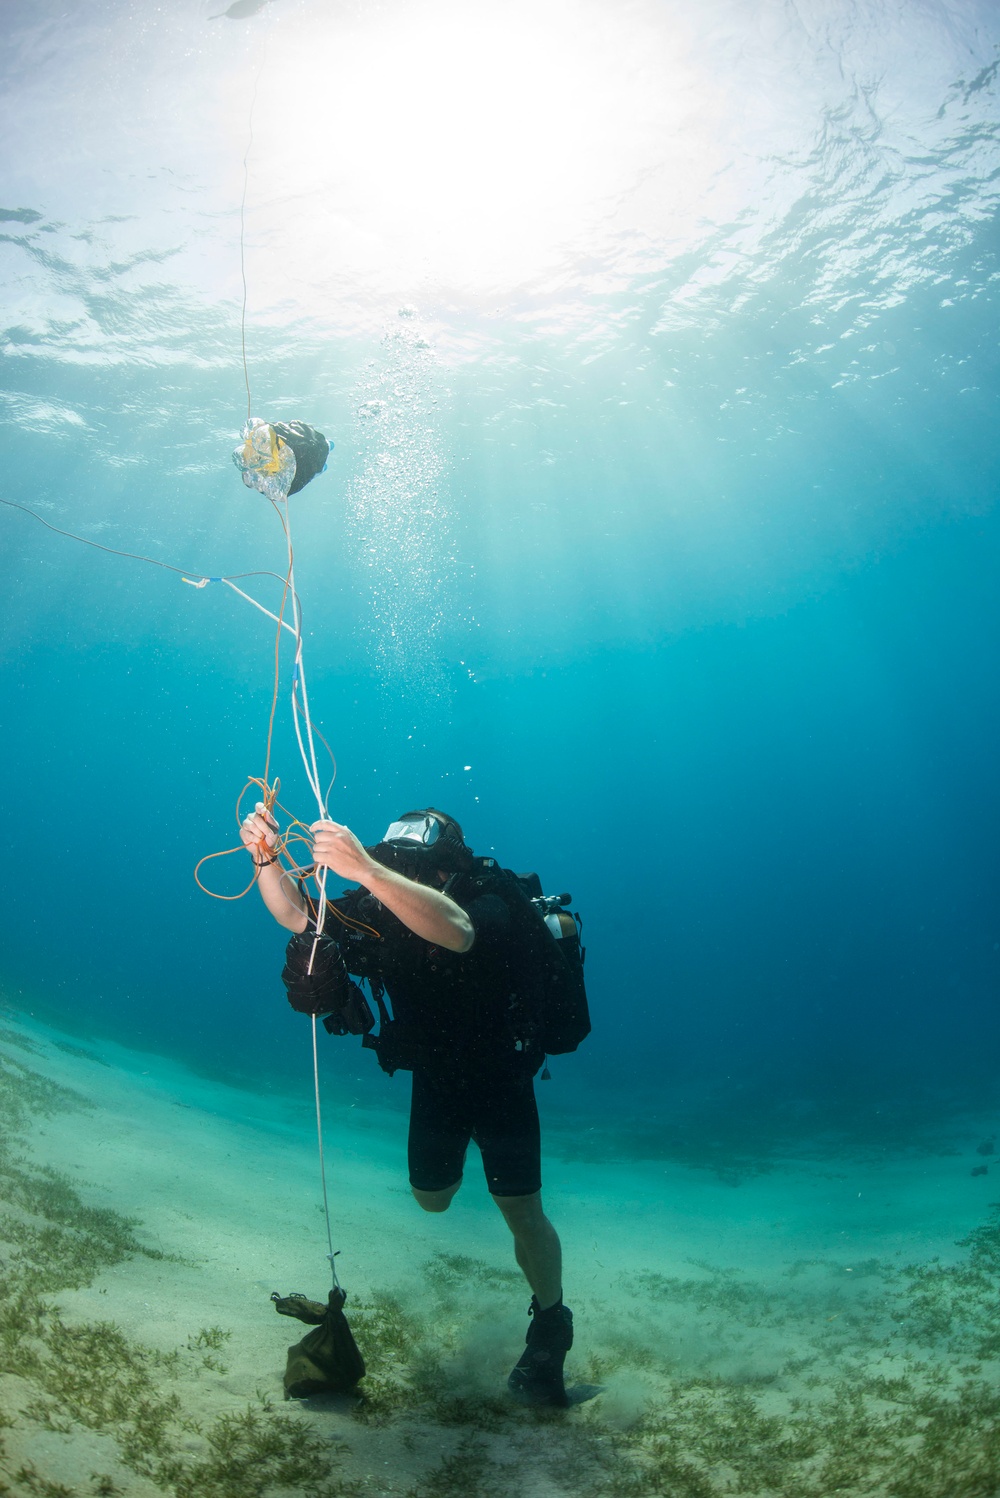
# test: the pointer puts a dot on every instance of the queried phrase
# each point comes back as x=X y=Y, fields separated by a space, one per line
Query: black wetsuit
x=458 y=1024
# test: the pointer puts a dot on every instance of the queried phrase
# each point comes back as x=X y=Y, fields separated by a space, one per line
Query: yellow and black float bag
x=278 y=458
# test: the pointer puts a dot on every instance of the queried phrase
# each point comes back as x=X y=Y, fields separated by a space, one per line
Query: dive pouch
x=326 y=989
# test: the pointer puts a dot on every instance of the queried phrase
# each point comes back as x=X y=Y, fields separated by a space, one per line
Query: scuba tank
x=564 y=927
x=564 y=1020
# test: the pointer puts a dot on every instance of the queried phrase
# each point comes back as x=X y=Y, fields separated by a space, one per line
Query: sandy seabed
x=824 y=1325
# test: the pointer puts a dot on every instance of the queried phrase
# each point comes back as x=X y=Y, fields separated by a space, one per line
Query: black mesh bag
x=327 y=1360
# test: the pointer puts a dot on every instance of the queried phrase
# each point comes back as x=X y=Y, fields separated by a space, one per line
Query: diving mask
x=423 y=839
x=416 y=828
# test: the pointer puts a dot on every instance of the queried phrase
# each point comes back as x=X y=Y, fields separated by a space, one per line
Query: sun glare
x=466 y=145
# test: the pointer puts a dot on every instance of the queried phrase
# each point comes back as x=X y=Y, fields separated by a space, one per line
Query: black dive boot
x=538 y=1376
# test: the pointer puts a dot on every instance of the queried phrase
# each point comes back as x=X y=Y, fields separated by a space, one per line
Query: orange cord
x=296 y=832
x=268 y=793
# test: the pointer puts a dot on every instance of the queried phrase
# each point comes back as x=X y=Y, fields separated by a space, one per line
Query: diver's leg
x=536 y=1245
x=507 y=1132
x=435 y=1201
x=537 y=1377
x=438 y=1140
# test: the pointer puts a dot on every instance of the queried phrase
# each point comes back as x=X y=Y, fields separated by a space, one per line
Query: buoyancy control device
x=552 y=1014
x=566 y=1013
x=555 y=992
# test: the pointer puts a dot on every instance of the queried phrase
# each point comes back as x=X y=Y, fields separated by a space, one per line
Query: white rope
x=307 y=746
x=283 y=622
x=307 y=750
x=331 y=1254
x=309 y=760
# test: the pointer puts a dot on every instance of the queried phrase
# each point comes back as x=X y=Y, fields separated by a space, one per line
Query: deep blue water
x=662 y=552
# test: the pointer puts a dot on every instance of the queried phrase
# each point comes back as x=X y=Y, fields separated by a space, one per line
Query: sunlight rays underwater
x=639 y=332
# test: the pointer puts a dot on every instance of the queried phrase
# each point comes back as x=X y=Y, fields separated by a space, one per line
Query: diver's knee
x=521 y=1212
x=435 y=1201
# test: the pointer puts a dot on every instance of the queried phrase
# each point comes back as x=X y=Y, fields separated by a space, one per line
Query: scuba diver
x=440 y=933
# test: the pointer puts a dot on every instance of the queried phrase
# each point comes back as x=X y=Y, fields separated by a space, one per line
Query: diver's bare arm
x=427 y=912
x=282 y=898
x=279 y=894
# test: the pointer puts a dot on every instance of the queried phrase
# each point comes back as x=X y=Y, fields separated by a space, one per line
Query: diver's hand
x=335 y=847
x=259 y=832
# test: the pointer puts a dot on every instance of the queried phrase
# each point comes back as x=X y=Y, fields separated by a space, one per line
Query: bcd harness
x=547 y=1012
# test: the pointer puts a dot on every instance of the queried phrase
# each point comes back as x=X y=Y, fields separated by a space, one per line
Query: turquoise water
x=659 y=546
